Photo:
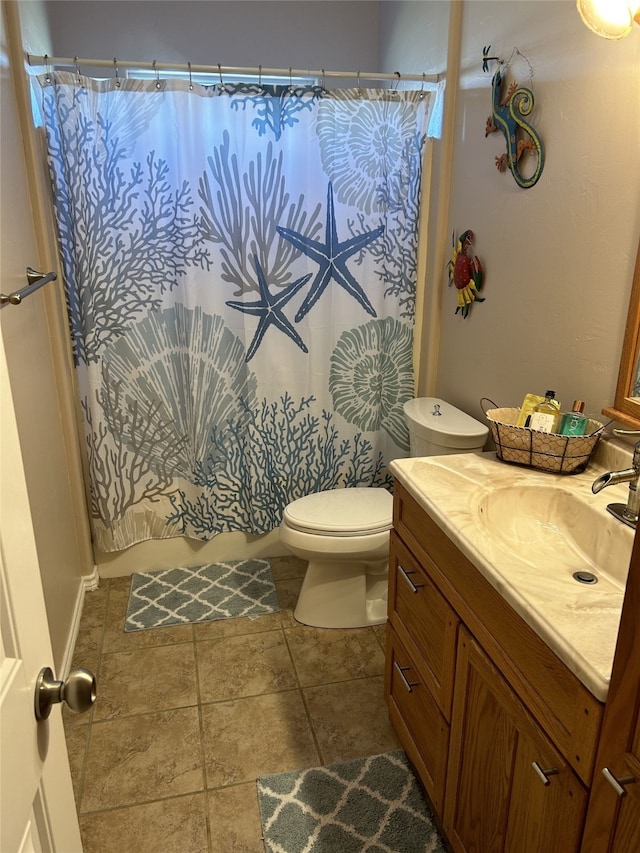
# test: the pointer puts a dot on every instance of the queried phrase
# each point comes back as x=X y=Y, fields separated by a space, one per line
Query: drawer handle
x=405 y=574
x=401 y=670
x=618 y=784
x=544 y=774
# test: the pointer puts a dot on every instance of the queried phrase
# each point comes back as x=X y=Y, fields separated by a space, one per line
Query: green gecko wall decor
x=507 y=114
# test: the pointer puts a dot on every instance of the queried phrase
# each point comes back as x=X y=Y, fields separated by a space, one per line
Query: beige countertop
x=490 y=510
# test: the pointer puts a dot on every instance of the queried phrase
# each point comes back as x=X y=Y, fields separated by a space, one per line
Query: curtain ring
x=259 y=75
x=359 y=89
x=421 y=95
x=322 y=80
x=190 y=79
x=222 y=86
x=394 y=89
x=47 y=72
x=75 y=62
x=115 y=66
x=157 y=74
x=290 y=81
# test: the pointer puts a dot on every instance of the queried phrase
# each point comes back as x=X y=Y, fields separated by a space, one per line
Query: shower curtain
x=240 y=273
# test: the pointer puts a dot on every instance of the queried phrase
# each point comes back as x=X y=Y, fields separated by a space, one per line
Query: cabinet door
x=508 y=789
x=613 y=821
x=625 y=831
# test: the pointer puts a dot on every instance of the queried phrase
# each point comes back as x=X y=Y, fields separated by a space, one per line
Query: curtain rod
x=186 y=67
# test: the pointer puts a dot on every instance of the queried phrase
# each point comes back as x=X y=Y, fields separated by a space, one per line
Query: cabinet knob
x=618 y=784
x=544 y=774
x=405 y=574
x=401 y=672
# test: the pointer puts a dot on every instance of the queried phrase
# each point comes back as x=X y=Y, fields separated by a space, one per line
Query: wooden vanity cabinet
x=500 y=731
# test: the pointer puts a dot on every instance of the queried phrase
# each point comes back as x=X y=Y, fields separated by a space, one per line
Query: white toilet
x=344 y=533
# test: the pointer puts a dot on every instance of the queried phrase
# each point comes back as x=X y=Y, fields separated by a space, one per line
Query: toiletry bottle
x=526 y=409
x=574 y=422
x=546 y=415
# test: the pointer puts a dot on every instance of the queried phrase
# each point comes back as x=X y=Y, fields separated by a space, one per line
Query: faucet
x=627 y=513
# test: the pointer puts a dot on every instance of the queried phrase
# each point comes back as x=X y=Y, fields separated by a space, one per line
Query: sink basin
x=550 y=526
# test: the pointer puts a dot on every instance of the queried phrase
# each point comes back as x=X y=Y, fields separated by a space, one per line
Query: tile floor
x=186 y=718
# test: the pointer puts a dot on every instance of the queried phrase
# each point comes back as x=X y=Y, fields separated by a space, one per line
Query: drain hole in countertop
x=585 y=577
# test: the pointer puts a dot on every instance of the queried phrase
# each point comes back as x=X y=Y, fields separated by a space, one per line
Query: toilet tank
x=437 y=428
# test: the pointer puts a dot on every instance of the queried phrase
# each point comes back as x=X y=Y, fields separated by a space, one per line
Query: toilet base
x=347 y=594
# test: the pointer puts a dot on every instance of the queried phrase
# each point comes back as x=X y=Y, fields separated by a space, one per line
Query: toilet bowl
x=344 y=533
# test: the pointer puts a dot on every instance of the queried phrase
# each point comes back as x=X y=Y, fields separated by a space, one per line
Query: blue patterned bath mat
x=223 y=590
x=370 y=804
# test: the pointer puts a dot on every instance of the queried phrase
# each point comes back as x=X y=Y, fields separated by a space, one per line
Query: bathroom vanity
x=497 y=673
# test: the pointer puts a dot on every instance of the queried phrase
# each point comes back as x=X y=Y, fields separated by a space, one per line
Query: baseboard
x=156 y=554
x=87 y=583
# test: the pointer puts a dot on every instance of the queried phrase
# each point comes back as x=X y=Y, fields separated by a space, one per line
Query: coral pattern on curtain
x=240 y=272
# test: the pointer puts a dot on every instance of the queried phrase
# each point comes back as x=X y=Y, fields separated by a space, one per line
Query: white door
x=36 y=796
x=37 y=809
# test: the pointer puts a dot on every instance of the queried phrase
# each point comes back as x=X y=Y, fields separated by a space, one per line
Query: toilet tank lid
x=451 y=428
x=342 y=512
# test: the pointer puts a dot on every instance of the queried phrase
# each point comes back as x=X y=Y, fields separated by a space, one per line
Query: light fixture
x=611 y=19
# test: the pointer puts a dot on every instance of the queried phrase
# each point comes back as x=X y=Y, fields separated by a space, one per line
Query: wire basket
x=560 y=454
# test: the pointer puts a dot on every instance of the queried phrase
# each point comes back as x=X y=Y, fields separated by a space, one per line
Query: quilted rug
x=371 y=804
x=202 y=594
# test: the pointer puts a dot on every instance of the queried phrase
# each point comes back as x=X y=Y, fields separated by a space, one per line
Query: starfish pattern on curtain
x=331 y=257
x=269 y=309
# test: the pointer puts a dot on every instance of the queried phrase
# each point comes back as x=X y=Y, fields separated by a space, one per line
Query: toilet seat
x=342 y=512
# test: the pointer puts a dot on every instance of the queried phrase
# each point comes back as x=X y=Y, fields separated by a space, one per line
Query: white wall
x=333 y=35
x=559 y=256
x=413 y=36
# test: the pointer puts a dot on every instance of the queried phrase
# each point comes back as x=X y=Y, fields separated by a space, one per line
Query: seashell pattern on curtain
x=240 y=273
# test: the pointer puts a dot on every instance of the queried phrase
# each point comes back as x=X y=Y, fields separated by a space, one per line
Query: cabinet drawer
x=414 y=713
x=424 y=622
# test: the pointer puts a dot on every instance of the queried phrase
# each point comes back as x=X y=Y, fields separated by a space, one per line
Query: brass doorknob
x=78 y=691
